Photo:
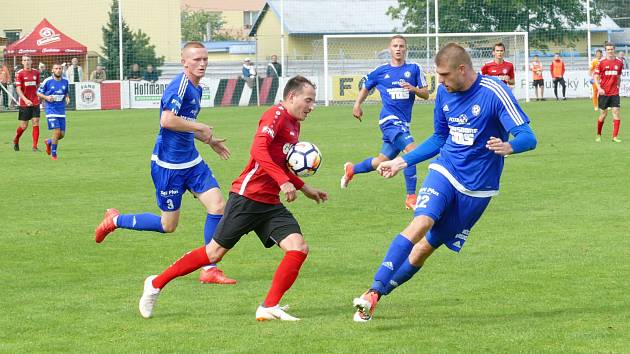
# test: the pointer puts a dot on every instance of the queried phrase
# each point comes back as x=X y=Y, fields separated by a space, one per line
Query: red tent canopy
x=45 y=40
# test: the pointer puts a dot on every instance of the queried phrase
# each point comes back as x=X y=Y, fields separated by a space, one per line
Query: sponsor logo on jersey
x=445 y=108
x=462 y=119
x=266 y=130
x=47 y=35
x=476 y=110
x=168 y=193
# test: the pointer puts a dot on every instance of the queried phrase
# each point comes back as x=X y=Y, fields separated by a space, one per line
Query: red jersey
x=28 y=82
x=267 y=169
x=491 y=68
x=609 y=71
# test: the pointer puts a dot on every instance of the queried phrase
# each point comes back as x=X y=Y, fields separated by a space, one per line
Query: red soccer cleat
x=48 y=148
x=214 y=275
x=106 y=226
x=410 y=202
x=54 y=157
x=348 y=173
x=365 y=305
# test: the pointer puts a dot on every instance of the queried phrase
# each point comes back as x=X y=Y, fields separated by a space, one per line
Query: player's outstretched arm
x=357 y=112
x=218 y=145
x=314 y=193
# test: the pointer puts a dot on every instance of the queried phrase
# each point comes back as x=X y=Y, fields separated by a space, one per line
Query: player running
x=394 y=81
x=473 y=118
x=54 y=90
x=176 y=165
x=254 y=205
x=608 y=79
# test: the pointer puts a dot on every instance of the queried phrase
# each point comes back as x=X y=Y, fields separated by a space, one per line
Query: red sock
x=189 y=262
x=35 y=135
x=285 y=276
x=18 y=134
x=600 y=124
x=616 y=123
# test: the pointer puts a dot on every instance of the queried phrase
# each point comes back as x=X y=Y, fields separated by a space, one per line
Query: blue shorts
x=454 y=213
x=396 y=137
x=170 y=185
x=56 y=123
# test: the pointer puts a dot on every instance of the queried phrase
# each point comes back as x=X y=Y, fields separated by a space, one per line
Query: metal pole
x=437 y=28
x=257 y=74
x=283 y=60
x=120 y=51
x=527 y=67
x=326 y=83
x=428 y=40
x=588 y=29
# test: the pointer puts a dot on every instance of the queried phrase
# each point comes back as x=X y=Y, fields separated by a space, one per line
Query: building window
x=12 y=35
x=249 y=18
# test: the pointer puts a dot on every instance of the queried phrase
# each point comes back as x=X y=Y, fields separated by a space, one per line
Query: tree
x=545 y=20
x=202 y=26
x=618 y=10
x=136 y=46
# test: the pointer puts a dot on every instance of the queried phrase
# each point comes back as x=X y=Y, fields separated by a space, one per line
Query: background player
x=254 y=205
x=537 y=78
x=591 y=71
x=395 y=81
x=176 y=165
x=608 y=79
x=54 y=90
x=472 y=140
x=499 y=67
x=26 y=84
x=557 y=75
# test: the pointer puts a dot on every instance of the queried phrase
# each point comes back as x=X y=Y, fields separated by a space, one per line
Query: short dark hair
x=296 y=84
x=598 y=51
x=609 y=44
x=499 y=44
x=398 y=36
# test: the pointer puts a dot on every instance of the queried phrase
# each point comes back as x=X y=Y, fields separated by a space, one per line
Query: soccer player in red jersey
x=26 y=84
x=254 y=205
x=499 y=67
x=608 y=79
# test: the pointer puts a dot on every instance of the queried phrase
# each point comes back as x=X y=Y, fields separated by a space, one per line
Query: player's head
x=27 y=62
x=621 y=54
x=398 y=48
x=454 y=68
x=536 y=58
x=274 y=58
x=195 y=59
x=498 y=51
x=598 y=53
x=57 y=70
x=609 y=47
x=299 y=97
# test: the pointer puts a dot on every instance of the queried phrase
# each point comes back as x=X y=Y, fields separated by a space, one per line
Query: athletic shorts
x=454 y=213
x=605 y=102
x=170 y=185
x=271 y=222
x=540 y=82
x=28 y=113
x=396 y=137
x=56 y=123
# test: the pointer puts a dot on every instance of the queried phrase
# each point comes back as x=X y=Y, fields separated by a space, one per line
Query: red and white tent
x=45 y=40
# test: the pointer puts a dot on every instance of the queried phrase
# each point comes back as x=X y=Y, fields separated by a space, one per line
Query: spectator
x=557 y=75
x=150 y=74
x=74 y=73
x=274 y=69
x=249 y=72
x=99 y=75
x=537 y=76
x=622 y=56
x=134 y=73
x=43 y=72
x=5 y=81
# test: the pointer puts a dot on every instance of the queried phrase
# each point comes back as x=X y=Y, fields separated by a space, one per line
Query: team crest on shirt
x=476 y=110
x=286 y=147
x=505 y=71
x=407 y=74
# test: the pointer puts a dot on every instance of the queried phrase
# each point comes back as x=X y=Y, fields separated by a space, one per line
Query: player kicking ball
x=471 y=136
x=254 y=205
x=54 y=90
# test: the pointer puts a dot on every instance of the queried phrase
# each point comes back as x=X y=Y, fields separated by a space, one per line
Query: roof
x=232 y=47
x=606 y=24
x=223 y=5
x=45 y=40
x=333 y=17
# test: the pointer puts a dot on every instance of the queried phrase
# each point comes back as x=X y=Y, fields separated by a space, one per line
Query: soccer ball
x=304 y=159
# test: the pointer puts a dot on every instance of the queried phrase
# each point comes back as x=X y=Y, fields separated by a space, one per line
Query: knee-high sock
x=364 y=166
x=53 y=149
x=404 y=273
x=398 y=251
x=18 y=134
x=285 y=276
x=140 y=222
x=616 y=123
x=600 y=125
x=189 y=262
x=212 y=220
x=35 y=135
x=411 y=179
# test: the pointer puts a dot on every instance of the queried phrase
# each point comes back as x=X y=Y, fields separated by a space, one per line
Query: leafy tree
x=545 y=20
x=200 y=25
x=618 y=10
x=136 y=46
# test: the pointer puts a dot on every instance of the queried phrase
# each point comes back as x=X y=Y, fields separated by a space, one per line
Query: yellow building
x=239 y=15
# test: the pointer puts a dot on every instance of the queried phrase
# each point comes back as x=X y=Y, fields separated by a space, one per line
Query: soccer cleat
x=16 y=146
x=106 y=226
x=410 y=202
x=54 y=157
x=348 y=173
x=35 y=149
x=598 y=139
x=616 y=139
x=48 y=147
x=365 y=305
x=149 y=297
x=214 y=275
x=274 y=313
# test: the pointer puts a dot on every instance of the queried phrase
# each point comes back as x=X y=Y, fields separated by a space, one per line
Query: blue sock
x=212 y=220
x=53 y=149
x=411 y=179
x=141 y=222
x=364 y=166
x=404 y=273
x=398 y=251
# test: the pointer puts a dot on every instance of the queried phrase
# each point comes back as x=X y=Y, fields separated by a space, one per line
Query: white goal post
x=348 y=57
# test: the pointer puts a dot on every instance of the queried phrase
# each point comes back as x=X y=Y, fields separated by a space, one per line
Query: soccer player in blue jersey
x=54 y=90
x=176 y=165
x=473 y=118
x=398 y=83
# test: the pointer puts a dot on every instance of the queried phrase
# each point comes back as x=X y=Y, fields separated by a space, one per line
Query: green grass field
x=546 y=269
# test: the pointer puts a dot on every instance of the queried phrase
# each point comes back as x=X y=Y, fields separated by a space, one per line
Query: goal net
x=347 y=58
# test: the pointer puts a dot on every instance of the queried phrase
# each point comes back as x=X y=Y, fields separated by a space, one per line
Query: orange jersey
x=537 y=70
x=557 y=68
